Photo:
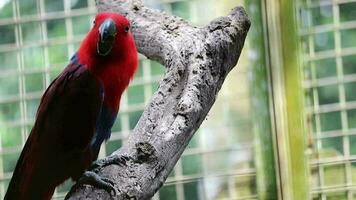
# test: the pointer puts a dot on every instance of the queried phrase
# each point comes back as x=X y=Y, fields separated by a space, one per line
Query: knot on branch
x=144 y=152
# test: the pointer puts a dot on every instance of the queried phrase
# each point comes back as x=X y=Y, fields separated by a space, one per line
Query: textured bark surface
x=197 y=60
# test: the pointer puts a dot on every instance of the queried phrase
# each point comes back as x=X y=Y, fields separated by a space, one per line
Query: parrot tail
x=25 y=184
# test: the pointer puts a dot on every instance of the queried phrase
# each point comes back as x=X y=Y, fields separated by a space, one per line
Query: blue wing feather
x=74 y=59
x=103 y=127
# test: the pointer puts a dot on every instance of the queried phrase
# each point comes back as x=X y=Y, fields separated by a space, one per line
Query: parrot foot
x=92 y=178
x=110 y=160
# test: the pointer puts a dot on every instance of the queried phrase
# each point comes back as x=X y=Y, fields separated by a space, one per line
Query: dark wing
x=104 y=124
x=64 y=127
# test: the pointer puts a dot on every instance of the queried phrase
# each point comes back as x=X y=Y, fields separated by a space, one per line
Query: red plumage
x=60 y=145
x=121 y=56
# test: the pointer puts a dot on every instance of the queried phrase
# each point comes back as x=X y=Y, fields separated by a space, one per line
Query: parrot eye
x=127 y=29
x=94 y=22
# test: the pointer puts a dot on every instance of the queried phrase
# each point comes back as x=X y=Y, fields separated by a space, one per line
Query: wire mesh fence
x=328 y=44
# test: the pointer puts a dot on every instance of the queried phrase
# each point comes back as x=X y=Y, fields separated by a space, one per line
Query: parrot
x=77 y=110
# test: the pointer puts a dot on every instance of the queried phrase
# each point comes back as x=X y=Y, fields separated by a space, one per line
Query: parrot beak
x=107 y=33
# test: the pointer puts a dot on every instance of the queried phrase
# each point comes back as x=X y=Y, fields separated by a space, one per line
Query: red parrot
x=77 y=111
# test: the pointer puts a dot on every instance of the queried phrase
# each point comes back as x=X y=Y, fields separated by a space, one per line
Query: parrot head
x=109 y=51
x=110 y=37
x=111 y=31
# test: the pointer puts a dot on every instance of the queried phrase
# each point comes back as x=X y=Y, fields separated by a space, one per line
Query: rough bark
x=197 y=60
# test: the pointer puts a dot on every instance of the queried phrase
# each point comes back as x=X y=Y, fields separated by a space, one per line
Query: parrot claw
x=92 y=178
x=110 y=160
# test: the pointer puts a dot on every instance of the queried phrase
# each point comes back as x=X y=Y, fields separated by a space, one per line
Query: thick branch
x=197 y=62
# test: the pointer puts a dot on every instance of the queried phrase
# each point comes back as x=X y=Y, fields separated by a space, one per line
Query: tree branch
x=197 y=62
